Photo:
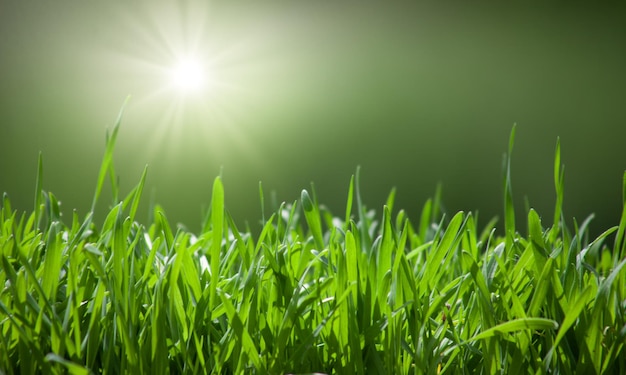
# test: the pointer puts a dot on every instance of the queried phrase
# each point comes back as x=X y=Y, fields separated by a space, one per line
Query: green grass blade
x=516 y=325
x=541 y=288
x=536 y=240
x=38 y=190
x=242 y=334
x=52 y=261
x=217 y=221
x=312 y=215
x=425 y=221
x=108 y=156
x=137 y=194
x=71 y=367
x=262 y=199
x=391 y=198
x=558 y=186
x=349 y=203
x=435 y=261
x=366 y=240
x=620 y=243
x=509 y=210
x=571 y=316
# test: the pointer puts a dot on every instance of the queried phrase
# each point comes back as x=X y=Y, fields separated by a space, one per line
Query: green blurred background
x=414 y=93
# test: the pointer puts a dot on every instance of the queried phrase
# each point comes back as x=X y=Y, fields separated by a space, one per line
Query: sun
x=188 y=75
x=188 y=82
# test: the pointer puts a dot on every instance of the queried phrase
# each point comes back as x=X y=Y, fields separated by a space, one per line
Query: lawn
x=362 y=292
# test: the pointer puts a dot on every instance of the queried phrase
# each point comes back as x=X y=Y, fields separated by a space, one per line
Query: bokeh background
x=415 y=93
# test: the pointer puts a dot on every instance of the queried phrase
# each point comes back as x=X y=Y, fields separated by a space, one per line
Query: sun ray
x=191 y=87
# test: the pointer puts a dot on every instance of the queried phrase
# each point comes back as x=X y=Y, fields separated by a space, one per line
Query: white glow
x=188 y=75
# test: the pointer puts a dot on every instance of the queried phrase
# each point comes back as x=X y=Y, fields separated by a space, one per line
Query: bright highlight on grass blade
x=188 y=75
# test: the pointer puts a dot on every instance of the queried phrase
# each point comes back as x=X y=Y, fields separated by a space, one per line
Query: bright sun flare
x=188 y=75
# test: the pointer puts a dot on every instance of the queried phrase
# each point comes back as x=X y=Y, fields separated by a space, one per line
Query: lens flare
x=189 y=78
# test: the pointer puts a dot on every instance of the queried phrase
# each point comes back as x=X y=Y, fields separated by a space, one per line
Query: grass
x=359 y=293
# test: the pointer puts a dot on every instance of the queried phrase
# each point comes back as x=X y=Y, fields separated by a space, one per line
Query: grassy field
x=358 y=293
